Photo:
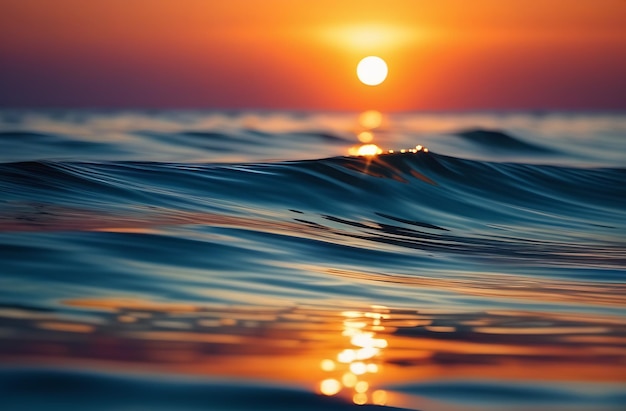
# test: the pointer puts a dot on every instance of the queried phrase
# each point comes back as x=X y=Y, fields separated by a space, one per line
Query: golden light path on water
x=356 y=354
x=349 y=370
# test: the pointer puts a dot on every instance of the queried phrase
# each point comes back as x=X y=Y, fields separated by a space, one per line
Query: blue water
x=244 y=260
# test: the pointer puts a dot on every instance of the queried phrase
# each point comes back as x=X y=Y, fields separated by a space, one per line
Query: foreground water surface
x=196 y=260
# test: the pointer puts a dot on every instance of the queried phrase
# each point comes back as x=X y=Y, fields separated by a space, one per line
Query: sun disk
x=372 y=70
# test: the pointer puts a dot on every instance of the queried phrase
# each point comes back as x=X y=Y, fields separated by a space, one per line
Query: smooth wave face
x=486 y=271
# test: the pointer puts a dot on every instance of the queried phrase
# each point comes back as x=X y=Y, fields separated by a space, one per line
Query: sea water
x=214 y=260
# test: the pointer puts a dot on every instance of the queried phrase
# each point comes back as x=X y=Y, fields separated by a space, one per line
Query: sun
x=372 y=70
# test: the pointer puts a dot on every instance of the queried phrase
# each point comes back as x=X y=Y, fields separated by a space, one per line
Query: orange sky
x=442 y=55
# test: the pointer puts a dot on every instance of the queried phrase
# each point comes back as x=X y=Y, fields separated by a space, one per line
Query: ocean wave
x=480 y=211
x=491 y=393
x=35 y=389
x=497 y=140
x=426 y=180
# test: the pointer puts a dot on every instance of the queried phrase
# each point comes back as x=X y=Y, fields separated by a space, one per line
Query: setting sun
x=372 y=70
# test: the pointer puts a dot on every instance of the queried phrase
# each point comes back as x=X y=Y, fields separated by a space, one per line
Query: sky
x=302 y=55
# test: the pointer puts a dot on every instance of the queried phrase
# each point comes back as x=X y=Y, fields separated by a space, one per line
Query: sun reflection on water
x=368 y=121
x=346 y=355
x=353 y=365
x=365 y=137
x=365 y=150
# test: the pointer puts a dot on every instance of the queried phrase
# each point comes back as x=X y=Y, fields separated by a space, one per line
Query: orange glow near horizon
x=297 y=55
x=370 y=38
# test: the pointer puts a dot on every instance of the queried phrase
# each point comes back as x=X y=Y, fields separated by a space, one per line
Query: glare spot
x=380 y=343
x=327 y=365
x=372 y=368
x=361 y=386
x=367 y=353
x=330 y=386
x=369 y=150
x=346 y=356
x=379 y=397
x=363 y=340
x=365 y=136
x=359 y=398
x=350 y=332
x=358 y=368
x=354 y=324
x=349 y=379
x=370 y=119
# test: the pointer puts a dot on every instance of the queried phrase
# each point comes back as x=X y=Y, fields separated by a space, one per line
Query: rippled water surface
x=189 y=260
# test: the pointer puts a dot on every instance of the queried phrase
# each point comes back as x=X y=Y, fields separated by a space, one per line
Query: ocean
x=276 y=260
